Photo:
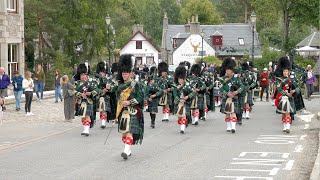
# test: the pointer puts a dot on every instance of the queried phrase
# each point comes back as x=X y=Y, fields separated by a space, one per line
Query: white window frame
x=11 y=61
x=14 y=8
x=241 y=41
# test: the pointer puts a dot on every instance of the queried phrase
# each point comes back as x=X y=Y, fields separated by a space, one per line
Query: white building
x=192 y=48
x=144 y=51
x=12 y=36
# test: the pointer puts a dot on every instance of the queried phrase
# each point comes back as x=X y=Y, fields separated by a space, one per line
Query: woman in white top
x=27 y=85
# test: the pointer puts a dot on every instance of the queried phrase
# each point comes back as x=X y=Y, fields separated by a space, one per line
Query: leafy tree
x=205 y=9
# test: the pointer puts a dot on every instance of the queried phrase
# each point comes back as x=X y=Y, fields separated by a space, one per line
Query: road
x=45 y=147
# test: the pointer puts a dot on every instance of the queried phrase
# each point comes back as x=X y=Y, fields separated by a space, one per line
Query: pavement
x=43 y=146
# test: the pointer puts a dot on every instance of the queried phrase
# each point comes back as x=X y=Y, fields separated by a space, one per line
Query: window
x=13 y=64
x=138 y=44
x=150 y=60
x=174 y=43
x=241 y=41
x=138 y=62
x=12 y=5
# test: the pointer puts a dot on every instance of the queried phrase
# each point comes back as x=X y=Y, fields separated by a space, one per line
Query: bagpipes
x=83 y=106
x=287 y=82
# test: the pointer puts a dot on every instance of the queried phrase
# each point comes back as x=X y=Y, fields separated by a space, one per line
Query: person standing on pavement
x=57 y=85
x=28 y=85
x=4 y=83
x=17 y=88
x=310 y=82
x=39 y=82
x=264 y=84
x=68 y=91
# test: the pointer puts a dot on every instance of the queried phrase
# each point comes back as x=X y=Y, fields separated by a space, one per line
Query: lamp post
x=114 y=42
x=202 y=34
x=108 y=20
x=253 y=18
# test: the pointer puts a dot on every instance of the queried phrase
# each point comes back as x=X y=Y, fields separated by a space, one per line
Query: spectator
x=17 y=88
x=264 y=83
x=57 y=85
x=28 y=85
x=310 y=82
x=67 y=89
x=39 y=82
x=4 y=83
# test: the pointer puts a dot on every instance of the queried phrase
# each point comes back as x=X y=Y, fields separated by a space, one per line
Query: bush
x=210 y=60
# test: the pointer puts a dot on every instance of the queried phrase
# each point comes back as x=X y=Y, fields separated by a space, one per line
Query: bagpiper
x=165 y=82
x=86 y=90
x=198 y=104
x=129 y=113
x=111 y=116
x=231 y=88
x=153 y=92
x=249 y=81
x=183 y=95
x=106 y=86
x=287 y=87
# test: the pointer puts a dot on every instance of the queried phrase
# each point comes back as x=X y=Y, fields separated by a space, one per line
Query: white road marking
x=289 y=165
x=298 y=148
x=262 y=162
x=276 y=139
x=303 y=136
x=244 y=177
x=264 y=154
x=272 y=172
x=306 y=118
x=306 y=126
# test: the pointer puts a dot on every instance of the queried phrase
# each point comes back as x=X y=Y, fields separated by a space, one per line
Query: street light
x=202 y=34
x=108 y=20
x=253 y=18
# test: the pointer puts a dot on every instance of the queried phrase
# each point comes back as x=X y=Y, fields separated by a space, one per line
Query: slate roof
x=313 y=40
x=230 y=32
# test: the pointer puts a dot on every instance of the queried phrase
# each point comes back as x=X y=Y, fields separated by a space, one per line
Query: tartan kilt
x=298 y=102
x=153 y=105
x=237 y=107
x=241 y=102
x=134 y=126
x=90 y=110
x=207 y=99
x=169 y=98
x=249 y=97
x=200 y=103
x=186 y=105
x=107 y=103
x=293 y=110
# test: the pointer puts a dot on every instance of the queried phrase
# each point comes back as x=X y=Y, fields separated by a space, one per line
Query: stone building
x=12 y=36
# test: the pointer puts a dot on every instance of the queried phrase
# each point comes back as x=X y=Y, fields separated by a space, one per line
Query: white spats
x=228 y=126
x=247 y=115
x=233 y=127
x=126 y=152
x=182 y=128
x=85 y=130
x=103 y=123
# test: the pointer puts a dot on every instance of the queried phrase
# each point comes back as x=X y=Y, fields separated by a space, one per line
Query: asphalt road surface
x=45 y=147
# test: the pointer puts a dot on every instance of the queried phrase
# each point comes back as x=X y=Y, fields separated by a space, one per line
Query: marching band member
x=165 y=82
x=86 y=91
x=231 y=87
x=287 y=86
x=200 y=88
x=129 y=113
x=153 y=93
x=249 y=82
x=183 y=94
x=111 y=116
x=105 y=85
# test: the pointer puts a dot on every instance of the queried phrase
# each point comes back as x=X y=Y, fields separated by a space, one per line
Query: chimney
x=195 y=25
x=136 y=28
x=187 y=27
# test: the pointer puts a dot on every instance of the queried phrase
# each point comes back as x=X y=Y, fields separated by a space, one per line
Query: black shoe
x=228 y=130
x=287 y=130
x=181 y=132
x=239 y=123
x=124 y=155
x=86 y=134
x=233 y=130
x=4 y=108
x=18 y=109
x=83 y=133
x=165 y=120
x=196 y=123
x=152 y=126
x=102 y=126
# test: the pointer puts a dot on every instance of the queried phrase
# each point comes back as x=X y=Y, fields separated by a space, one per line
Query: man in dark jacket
x=4 y=83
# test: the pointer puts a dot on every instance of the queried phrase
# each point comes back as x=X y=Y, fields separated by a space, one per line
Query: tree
x=205 y=10
x=173 y=11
